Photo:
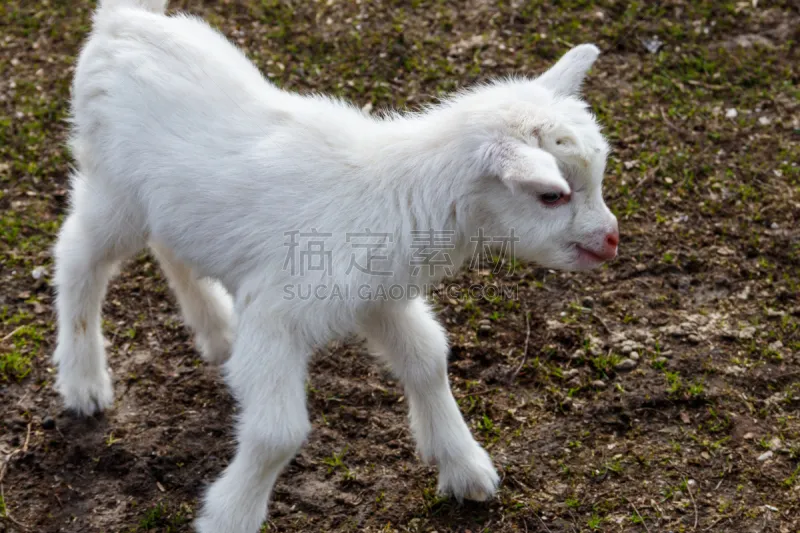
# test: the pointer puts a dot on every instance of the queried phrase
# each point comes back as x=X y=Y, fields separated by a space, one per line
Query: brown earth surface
x=657 y=394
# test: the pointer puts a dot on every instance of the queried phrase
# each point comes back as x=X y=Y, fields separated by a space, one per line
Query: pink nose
x=612 y=239
x=610 y=248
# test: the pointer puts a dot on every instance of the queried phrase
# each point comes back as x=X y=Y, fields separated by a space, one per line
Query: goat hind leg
x=93 y=240
x=206 y=306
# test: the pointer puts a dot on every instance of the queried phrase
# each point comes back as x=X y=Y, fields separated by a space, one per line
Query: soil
x=659 y=393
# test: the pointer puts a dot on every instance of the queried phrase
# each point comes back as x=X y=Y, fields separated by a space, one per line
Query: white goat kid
x=182 y=145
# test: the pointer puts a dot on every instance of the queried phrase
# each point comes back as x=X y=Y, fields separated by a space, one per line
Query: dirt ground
x=657 y=394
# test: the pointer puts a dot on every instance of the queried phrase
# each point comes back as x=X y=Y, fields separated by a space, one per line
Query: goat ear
x=566 y=76
x=524 y=167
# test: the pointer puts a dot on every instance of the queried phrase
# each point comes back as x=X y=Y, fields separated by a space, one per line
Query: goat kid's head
x=543 y=163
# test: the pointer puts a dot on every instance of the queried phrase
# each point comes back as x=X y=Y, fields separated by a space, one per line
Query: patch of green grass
x=336 y=463
x=674 y=382
x=595 y=522
x=604 y=364
x=160 y=518
x=25 y=340
x=487 y=426
x=572 y=502
x=14 y=365
x=791 y=480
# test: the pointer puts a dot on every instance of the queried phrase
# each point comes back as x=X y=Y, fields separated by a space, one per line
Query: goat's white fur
x=182 y=145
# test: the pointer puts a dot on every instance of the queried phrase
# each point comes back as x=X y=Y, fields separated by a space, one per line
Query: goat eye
x=551 y=198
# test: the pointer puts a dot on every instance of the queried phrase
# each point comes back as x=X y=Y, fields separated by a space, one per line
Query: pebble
x=626 y=365
x=599 y=384
x=38 y=272
x=731 y=113
x=747 y=333
x=766 y=455
x=634 y=355
x=572 y=372
x=48 y=423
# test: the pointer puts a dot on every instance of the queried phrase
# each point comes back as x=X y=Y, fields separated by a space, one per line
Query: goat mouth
x=585 y=253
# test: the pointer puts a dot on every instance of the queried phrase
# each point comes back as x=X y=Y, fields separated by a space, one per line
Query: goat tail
x=154 y=6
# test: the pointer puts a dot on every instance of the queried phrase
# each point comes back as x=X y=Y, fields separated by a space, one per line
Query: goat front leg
x=416 y=348
x=266 y=372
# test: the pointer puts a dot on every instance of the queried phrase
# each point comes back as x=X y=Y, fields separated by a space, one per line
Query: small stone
x=599 y=384
x=766 y=455
x=653 y=44
x=748 y=436
x=572 y=372
x=692 y=483
x=731 y=113
x=734 y=370
x=627 y=349
x=764 y=121
x=635 y=356
x=775 y=443
x=578 y=354
x=694 y=339
x=626 y=365
x=48 y=423
x=38 y=272
x=747 y=333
